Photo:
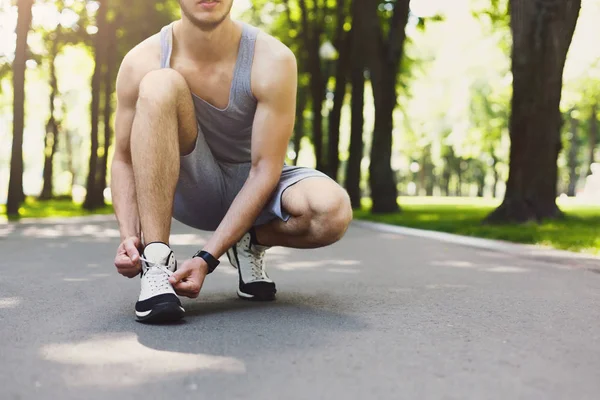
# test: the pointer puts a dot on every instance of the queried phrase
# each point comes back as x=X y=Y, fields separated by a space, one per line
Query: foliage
x=454 y=85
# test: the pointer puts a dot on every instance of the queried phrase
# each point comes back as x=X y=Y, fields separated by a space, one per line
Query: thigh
x=186 y=118
x=315 y=194
x=200 y=196
x=165 y=88
x=298 y=189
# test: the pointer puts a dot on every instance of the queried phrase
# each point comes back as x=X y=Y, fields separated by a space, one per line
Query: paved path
x=376 y=316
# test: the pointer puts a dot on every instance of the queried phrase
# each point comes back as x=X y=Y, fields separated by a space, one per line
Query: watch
x=211 y=261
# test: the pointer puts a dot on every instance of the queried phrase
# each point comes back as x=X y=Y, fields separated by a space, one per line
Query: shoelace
x=152 y=277
x=257 y=262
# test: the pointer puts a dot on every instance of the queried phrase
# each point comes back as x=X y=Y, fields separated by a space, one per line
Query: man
x=205 y=112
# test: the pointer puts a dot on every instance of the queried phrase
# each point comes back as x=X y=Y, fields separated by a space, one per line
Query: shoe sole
x=162 y=313
x=252 y=297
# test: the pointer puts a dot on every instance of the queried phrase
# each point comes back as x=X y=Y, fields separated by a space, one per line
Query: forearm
x=244 y=210
x=124 y=198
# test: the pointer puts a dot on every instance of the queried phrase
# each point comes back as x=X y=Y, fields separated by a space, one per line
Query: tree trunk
x=481 y=181
x=51 y=139
x=495 y=172
x=108 y=90
x=357 y=80
x=94 y=196
x=383 y=59
x=353 y=167
x=459 y=178
x=15 y=185
x=572 y=157
x=341 y=78
x=542 y=32
x=311 y=38
x=69 y=154
x=342 y=44
x=446 y=176
x=593 y=138
x=299 y=126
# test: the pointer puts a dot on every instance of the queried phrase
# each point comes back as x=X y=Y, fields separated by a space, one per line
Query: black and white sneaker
x=249 y=260
x=158 y=301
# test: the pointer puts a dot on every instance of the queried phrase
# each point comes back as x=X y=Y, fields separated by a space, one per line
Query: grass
x=579 y=231
x=34 y=208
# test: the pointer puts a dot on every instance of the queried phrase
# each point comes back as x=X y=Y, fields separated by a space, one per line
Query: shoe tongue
x=157 y=253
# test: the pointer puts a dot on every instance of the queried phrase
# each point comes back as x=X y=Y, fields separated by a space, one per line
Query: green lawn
x=579 y=231
x=52 y=208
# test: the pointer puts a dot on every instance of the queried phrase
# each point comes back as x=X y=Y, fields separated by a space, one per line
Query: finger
x=123 y=261
x=132 y=251
x=187 y=289
x=191 y=285
x=179 y=276
x=129 y=273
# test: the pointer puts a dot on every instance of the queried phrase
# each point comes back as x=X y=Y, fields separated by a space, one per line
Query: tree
x=311 y=32
x=342 y=43
x=572 y=159
x=593 y=137
x=94 y=196
x=108 y=79
x=300 y=122
x=383 y=56
x=15 y=185
x=52 y=127
x=357 y=80
x=542 y=32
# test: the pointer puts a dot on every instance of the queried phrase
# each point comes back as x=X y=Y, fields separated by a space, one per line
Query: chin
x=207 y=22
x=203 y=17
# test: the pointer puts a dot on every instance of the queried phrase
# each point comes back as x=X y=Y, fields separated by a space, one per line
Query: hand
x=188 y=279
x=127 y=260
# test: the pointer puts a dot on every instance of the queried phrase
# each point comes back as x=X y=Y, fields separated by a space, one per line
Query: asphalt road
x=376 y=316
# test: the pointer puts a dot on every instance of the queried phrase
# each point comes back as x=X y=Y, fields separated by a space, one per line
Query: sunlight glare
x=121 y=360
x=68 y=18
x=45 y=15
x=239 y=7
x=9 y=302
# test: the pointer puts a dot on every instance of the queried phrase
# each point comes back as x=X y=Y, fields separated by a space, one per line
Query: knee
x=161 y=88
x=331 y=215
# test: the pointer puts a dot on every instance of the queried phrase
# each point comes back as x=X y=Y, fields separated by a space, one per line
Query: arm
x=274 y=86
x=122 y=181
x=123 y=191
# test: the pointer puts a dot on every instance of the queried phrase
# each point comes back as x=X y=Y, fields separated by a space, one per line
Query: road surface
x=378 y=315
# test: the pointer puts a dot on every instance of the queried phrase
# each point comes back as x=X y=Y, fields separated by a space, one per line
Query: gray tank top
x=227 y=131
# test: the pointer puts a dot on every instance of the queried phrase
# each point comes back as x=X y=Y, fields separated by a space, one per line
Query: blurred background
x=438 y=114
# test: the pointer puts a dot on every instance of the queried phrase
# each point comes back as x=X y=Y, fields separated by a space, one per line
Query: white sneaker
x=158 y=301
x=249 y=259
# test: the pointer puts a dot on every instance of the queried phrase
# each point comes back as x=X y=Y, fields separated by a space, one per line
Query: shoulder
x=271 y=49
x=274 y=64
x=139 y=61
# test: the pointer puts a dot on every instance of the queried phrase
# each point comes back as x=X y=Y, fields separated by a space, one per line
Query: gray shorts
x=207 y=187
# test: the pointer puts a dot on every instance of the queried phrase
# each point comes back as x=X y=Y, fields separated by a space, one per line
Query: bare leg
x=164 y=127
x=320 y=214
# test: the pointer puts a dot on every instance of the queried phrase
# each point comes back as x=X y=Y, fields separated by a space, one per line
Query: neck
x=206 y=45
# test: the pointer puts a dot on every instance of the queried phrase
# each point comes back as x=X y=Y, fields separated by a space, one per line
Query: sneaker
x=249 y=260
x=158 y=301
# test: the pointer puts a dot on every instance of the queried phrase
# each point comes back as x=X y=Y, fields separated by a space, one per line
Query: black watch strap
x=211 y=261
